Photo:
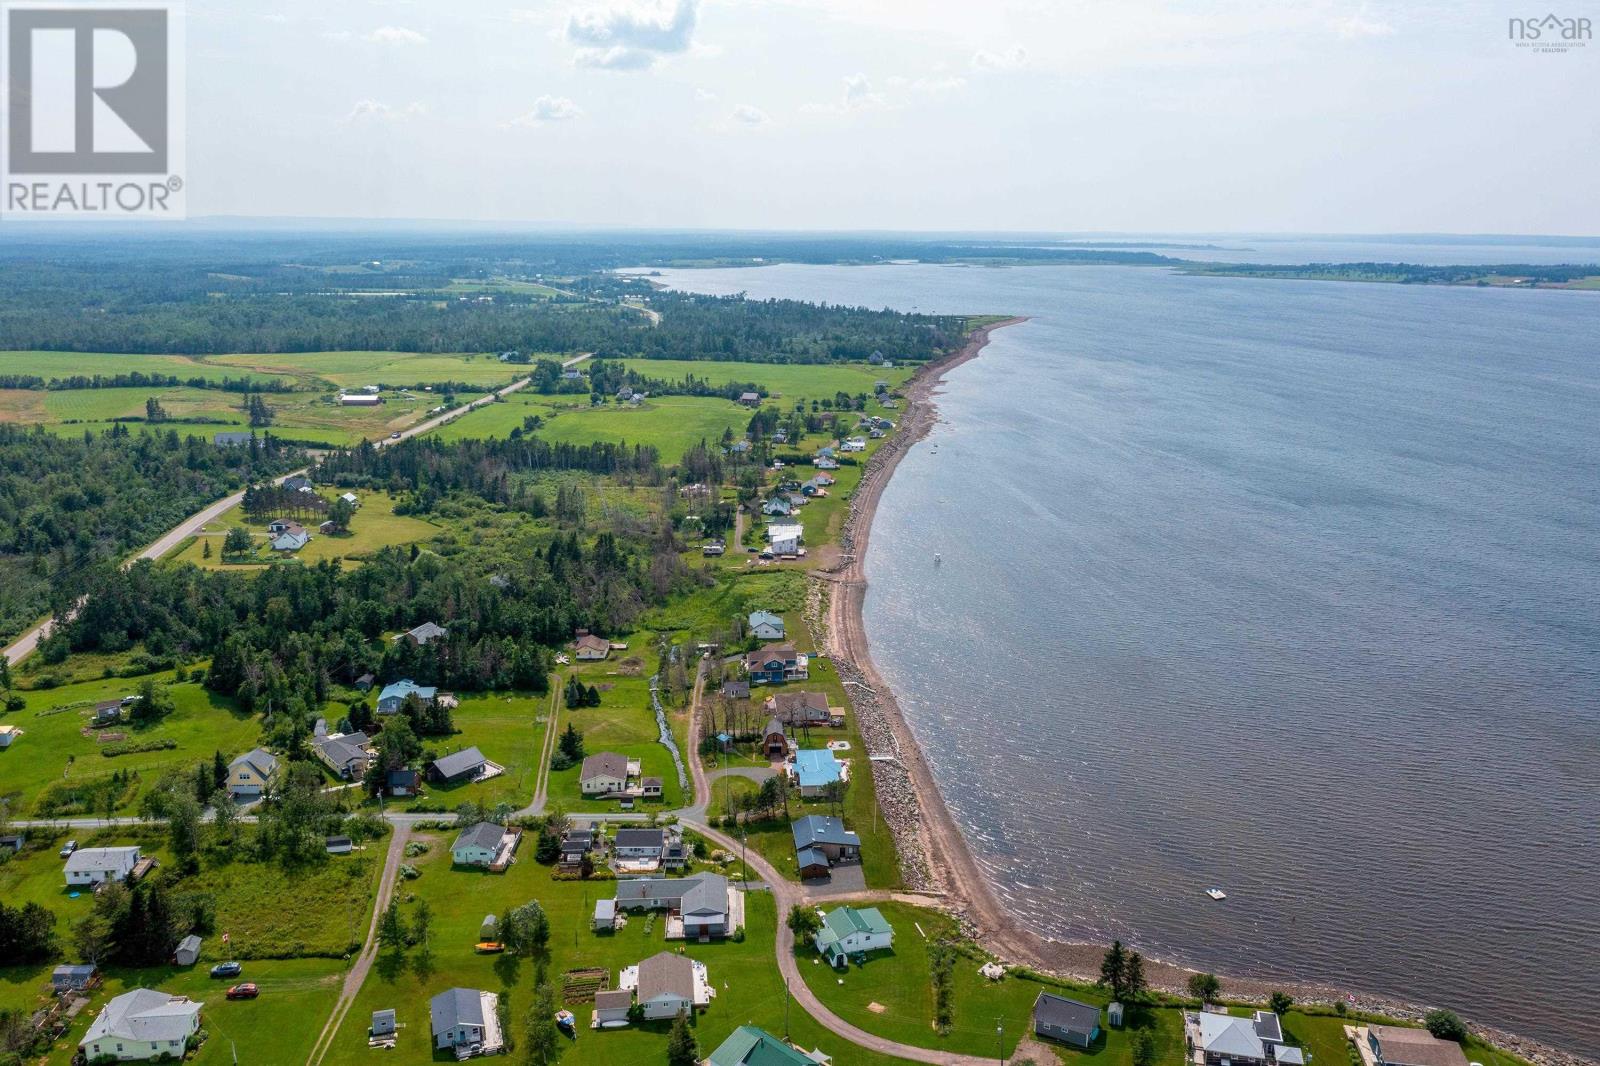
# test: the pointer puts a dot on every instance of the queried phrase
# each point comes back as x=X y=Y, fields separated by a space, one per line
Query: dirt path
x=369 y=952
x=546 y=751
x=697 y=772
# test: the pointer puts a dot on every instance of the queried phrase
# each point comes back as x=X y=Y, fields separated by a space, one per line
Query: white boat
x=1216 y=893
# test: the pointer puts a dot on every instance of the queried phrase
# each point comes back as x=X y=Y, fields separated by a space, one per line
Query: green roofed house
x=848 y=931
x=749 y=1046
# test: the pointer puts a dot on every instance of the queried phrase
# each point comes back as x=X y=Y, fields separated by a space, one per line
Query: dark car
x=226 y=969
x=245 y=991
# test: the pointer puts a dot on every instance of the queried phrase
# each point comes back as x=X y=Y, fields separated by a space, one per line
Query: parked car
x=68 y=848
x=395 y=435
x=244 y=991
x=226 y=969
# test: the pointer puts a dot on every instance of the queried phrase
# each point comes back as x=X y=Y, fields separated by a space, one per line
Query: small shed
x=338 y=845
x=383 y=1022
x=188 y=952
x=489 y=929
x=12 y=842
x=72 y=978
x=605 y=914
x=1114 y=1014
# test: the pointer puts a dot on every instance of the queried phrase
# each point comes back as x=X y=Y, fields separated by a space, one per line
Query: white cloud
x=548 y=109
x=396 y=35
x=378 y=111
x=633 y=36
x=705 y=96
x=1010 y=59
x=750 y=115
x=1360 y=24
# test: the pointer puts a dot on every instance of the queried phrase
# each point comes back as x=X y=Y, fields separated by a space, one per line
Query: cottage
x=460 y=767
x=1067 y=1020
x=1394 y=1045
x=252 y=774
x=825 y=462
x=776 y=663
x=187 y=952
x=774 y=743
x=590 y=648
x=464 y=1017
x=764 y=625
x=346 y=754
x=675 y=856
x=393 y=695
x=750 y=399
x=749 y=1046
x=481 y=845
x=106 y=712
x=423 y=635
x=91 y=866
x=1214 y=1039
x=823 y=840
x=364 y=683
x=291 y=541
x=68 y=978
x=605 y=915
x=650 y=787
x=777 y=505
x=783 y=538
x=815 y=769
x=802 y=709
x=667 y=985
x=142 y=1024
x=383 y=1024
x=611 y=1006
x=735 y=690
x=848 y=931
x=700 y=902
x=642 y=846
x=603 y=774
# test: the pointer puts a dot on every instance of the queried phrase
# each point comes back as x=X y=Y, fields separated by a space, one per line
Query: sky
x=1017 y=115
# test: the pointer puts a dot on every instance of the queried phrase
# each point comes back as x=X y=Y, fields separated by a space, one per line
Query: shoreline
x=933 y=851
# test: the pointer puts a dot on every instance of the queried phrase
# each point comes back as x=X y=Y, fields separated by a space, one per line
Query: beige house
x=252 y=774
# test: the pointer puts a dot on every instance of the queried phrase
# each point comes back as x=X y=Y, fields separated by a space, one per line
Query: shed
x=489 y=928
x=337 y=845
x=605 y=914
x=188 y=952
x=813 y=863
x=72 y=978
x=1114 y=1014
x=383 y=1022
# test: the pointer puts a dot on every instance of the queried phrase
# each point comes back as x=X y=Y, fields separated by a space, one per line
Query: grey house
x=823 y=841
x=462 y=1017
x=1066 y=1020
x=458 y=766
x=702 y=901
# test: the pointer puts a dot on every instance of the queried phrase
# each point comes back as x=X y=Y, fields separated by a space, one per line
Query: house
x=482 y=844
x=424 y=634
x=603 y=774
x=359 y=399
x=8 y=735
x=346 y=754
x=777 y=505
x=824 y=841
x=230 y=439
x=142 y=1024
x=402 y=782
x=611 y=1006
x=848 y=931
x=463 y=1017
x=107 y=712
x=576 y=844
x=700 y=902
x=605 y=915
x=1394 y=1045
x=338 y=845
x=735 y=690
x=667 y=985
x=749 y=1046
x=383 y=1023
x=590 y=648
x=802 y=709
x=783 y=538
x=252 y=774
x=650 y=787
x=739 y=447
x=298 y=483
x=69 y=978
x=1067 y=1020
x=459 y=767
x=351 y=498
x=750 y=399
x=284 y=525
x=764 y=625
x=639 y=845
x=776 y=663
x=393 y=695
x=825 y=462
x=1213 y=1039
x=290 y=542
x=774 y=744
x=91 y=866
x=675 y=856
x=187 y=952
x=814 y=770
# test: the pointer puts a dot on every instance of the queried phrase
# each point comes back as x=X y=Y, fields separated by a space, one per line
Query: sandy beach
x=934 y=852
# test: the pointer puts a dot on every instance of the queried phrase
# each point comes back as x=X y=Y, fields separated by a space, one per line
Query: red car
x=245 y=991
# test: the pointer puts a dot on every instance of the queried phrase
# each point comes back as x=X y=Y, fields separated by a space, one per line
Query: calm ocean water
x=1290 y=588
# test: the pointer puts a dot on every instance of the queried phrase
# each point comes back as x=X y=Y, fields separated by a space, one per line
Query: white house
x=462 y=1017
x=846 y=931
x=603 y=773
x=142 y=1024
x=764 y=625
x=783 y=538
x=90 y=866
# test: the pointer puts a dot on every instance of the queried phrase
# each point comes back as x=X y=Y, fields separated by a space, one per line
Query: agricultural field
x=788 y=382
x=498 y=419
x=59 y=766
x=670 y=424
x=49 y=365
x=374 y=526
x=352 y=370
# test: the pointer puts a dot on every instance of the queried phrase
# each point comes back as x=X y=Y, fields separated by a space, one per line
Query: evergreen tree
x=1114 y=968
x=681 y=1047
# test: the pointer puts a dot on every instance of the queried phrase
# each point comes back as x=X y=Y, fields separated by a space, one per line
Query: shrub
x=1446 y=1025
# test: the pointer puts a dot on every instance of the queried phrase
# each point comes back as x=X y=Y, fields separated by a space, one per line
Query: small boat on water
x=936 y=559
x=1216 y=893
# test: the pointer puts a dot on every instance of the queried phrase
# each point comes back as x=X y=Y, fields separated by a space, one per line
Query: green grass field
x=623 y=723
x=499 y=419
x=788 y=382
x=68 y=364
x=671 y=424
x=375 y=526
x=509 y=729
x=354 y=369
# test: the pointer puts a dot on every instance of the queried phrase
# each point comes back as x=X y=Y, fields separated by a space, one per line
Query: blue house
x=816 y=769
x=776 y=663
x=394 y=694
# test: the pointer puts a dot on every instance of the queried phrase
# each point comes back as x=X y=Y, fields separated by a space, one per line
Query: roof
x=770 y=653
x=402 y=689
x=458 y=762
x=591 y=642
x=773 y=726
x=805 y=704
x=342 y=750
x=89 y=860
x=481 y=835
x=1415 y=1047
x=189 y=943
x=425 y=632
x=613 y=999
x=604 y=764
x=290 y=540
x=82 y=969
x=822 y=829
x=816 y=767
x=336 y=842
x=812 y=857
x=1267 y=1026
x=765 y=618
x=605 y=909
x=144 y=1015
x=843 y=921
x=453 y=1007
x=1230 y=1037
x=1059 y=1012
x=403 y=776
x=736 y=690
x=749 y=1046
x=666 y=974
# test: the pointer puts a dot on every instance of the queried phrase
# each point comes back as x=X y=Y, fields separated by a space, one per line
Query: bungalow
x=70 y=978
x=142 y=1024
x=284 y=525
x=423 y=635
x=393 y=695
x=774 y=743
x=252 y=774
x=749 y=1046
x=480 y=844
x=802 y=709
x=735 y=690
x=402 y=782
x=1394 y=1045
x=825 y=462
x=667 y=985
x=1067 y=1020
x=825 y=838
x=1213 y=1039
x=603 y=774
x=650 y=787
x=464 y=1017
x=700 y=902
x=346 y=754
x=459 y=767
x=290 y=542
x=750 y=399
x=764 y=625
x=847 y=931
x=639 y=844
x=187 y=953
x=590 y=648
x=92 y=866
x=814 y=770
x=777 y=663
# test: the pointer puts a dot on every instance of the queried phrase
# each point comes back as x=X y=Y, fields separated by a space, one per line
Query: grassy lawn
x=71 y=364
x=54 y=754
x=269 y=911
x=786 y=382
x=670 y=424
x=355 y=369
x=375 y=526
x=509 y=729
x=623 y=723
x=500 y=418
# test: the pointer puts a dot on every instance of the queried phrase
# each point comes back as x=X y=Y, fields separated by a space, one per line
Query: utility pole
x=1000 y=1040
